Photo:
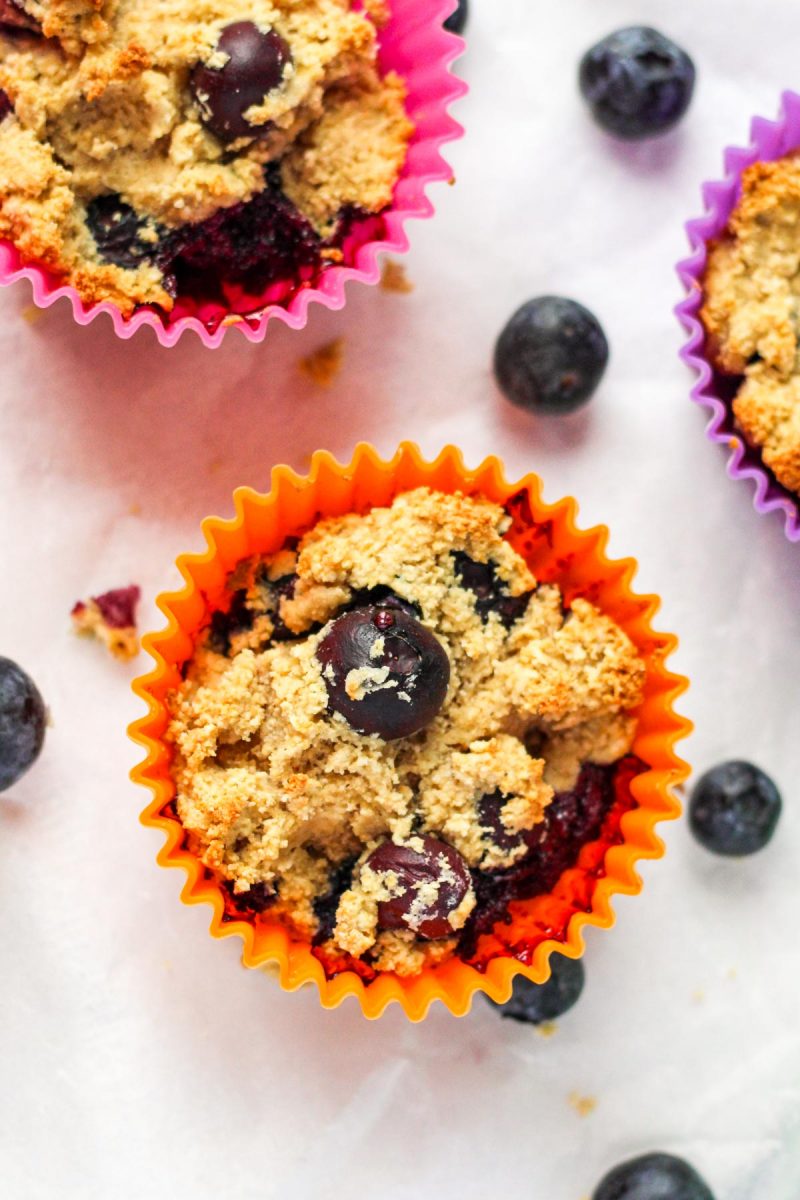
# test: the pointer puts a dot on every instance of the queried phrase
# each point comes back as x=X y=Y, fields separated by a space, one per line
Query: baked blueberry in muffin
x=750 y=312
x=391 y=730
x=156 y=150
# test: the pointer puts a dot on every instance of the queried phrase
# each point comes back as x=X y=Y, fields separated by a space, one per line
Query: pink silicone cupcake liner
x=413 y=43
x=768 y=140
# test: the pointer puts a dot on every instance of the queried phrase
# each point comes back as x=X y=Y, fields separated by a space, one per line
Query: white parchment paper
x=137 y=1058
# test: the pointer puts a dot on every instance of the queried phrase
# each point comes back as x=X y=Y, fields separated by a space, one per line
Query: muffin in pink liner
x=769 y=141
x=412 y=44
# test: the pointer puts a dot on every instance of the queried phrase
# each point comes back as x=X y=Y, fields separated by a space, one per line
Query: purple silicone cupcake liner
x=768 y=140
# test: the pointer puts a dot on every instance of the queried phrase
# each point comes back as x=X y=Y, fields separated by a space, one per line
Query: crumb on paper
x=732 y=973
x=698 y=996
x=134 y=510
x=584 y=1105
x=215 y=466
x=111 y=618
x=452 y=181
x=395 y=279
x=323 y=365
x=547 y=1029
x=32 y=313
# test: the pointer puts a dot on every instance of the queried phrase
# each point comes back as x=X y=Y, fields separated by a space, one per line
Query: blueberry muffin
x=751 y=313
x=154 y=149
x=390 y=731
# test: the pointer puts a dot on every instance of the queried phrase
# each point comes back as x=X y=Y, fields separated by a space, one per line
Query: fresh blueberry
x=551 y=356
x=384 y=671
x=22 y=722
x=457 y=20
x=431 y=878
x=535 y=1003
x=637 y=82
x=734 y=809
x=116 y=229
x=254 y=63
x=491 y=594
x=653 y=1177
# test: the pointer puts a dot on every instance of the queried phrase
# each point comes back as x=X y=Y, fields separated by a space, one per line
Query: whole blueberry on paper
x=637 y=83
x=734 y=809
x=551 y=356
x=22 y=722
x=653 y=1177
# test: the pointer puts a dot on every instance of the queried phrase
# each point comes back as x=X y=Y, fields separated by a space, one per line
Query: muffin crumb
x=324 y=365
x=394 y=278
x=584 y=1105
x=111 y=618
x=547 y=1029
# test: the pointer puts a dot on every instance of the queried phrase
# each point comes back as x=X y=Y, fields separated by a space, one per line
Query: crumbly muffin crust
x=103 y=107
x=74 y=23
x=276 y=791
x=752 y=312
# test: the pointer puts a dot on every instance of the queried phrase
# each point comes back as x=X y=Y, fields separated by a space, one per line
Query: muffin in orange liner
x=556 y=551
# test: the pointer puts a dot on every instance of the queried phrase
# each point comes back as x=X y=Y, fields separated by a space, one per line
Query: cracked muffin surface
x=144 y=141
x=751 y=312
x=296 y=779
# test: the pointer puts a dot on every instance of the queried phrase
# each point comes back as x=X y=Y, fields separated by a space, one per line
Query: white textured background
x=137 y=1059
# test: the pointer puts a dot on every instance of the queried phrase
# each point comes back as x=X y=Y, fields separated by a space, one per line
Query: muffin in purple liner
x=739 y=364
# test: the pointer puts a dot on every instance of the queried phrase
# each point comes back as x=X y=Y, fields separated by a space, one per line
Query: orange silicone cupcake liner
x=556 y=551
